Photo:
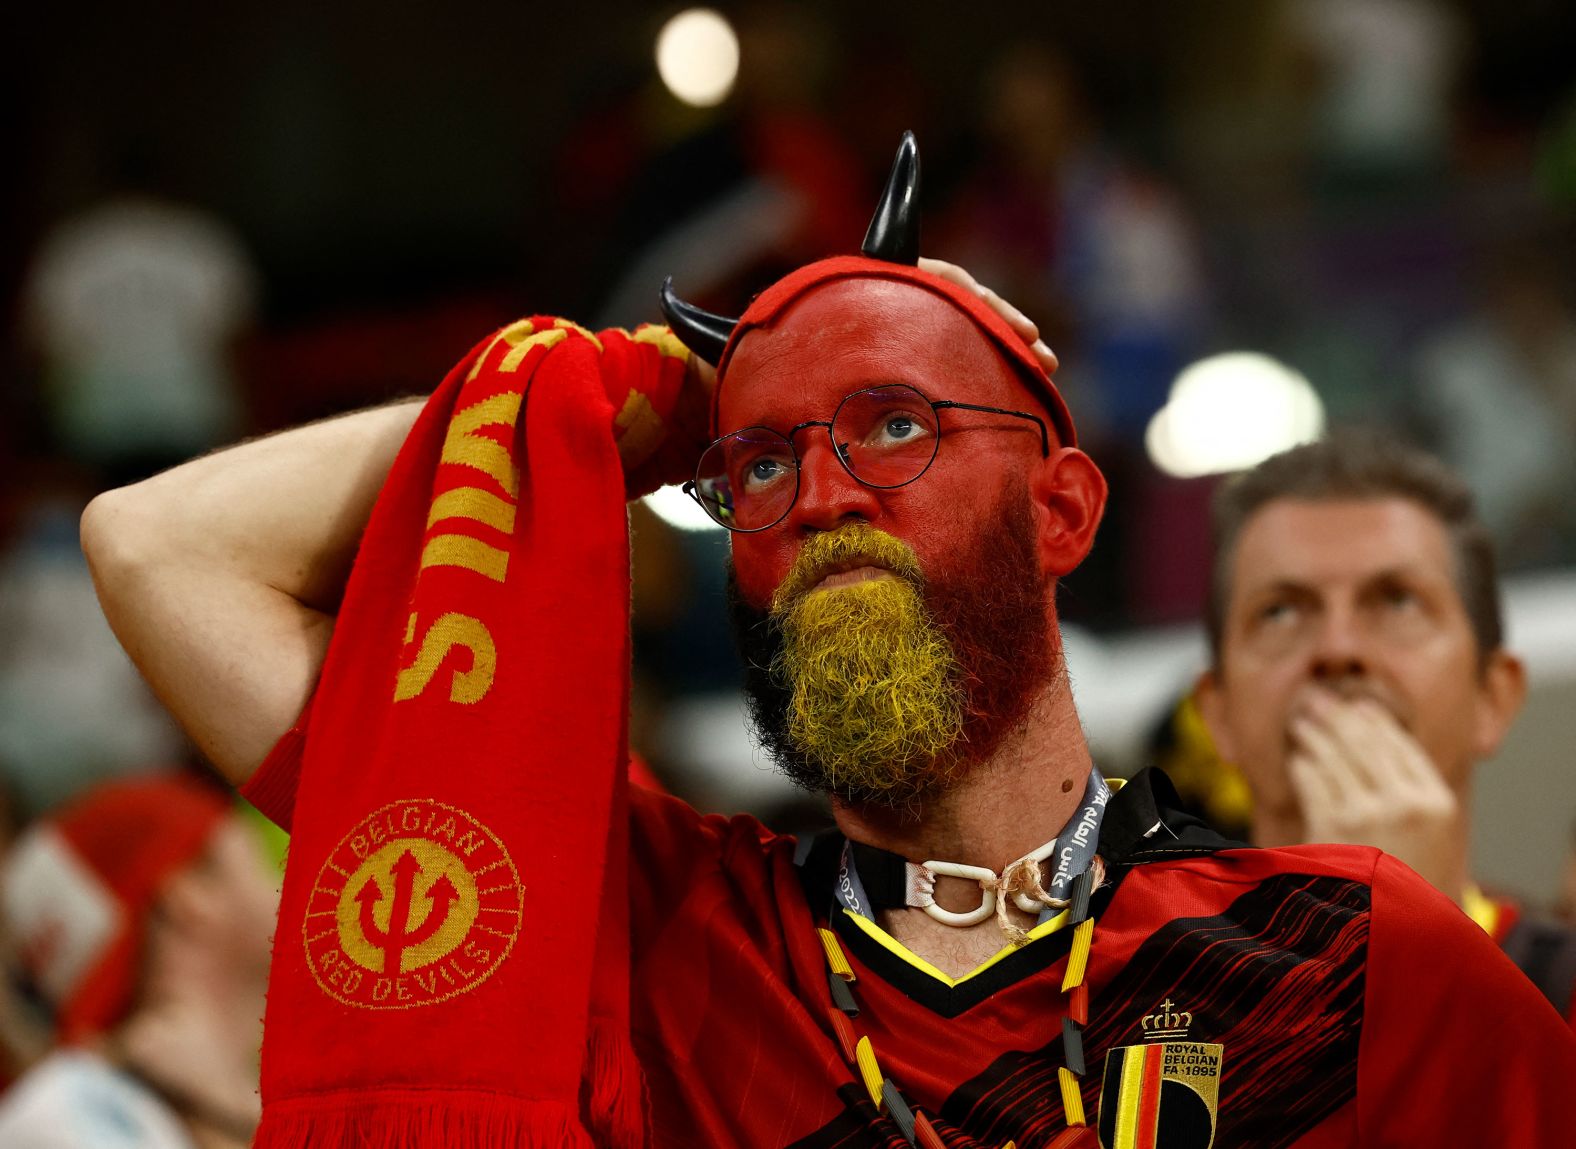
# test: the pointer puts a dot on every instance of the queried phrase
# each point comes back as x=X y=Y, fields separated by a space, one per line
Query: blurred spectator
x=1565 y=904
x=1101 y=251
x=1209 y=787
x=140 y=917
x=734 y=203
x=72 y=708
x=133 y=307
x=1498 y=389
x=1383 y=76
x=24 y=1037
x=1359 y=673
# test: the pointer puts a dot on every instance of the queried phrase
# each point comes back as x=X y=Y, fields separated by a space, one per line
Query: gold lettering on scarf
x=663 y=339
x=462 y=444
x=465 y=445
x=509 y=336
x=521 y=337
x=449 y=631
x=466 y=552
x=517 y=353
x=475 y=504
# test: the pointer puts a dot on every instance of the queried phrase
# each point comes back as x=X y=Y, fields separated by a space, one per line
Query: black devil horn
x=701 y=331
x=894 y=229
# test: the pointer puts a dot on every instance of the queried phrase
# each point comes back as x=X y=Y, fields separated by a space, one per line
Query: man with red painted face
x=996 y=945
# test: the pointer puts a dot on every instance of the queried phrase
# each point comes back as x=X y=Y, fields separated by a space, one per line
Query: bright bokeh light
x=1230 y=412
x=698 y=56
x=674 y=507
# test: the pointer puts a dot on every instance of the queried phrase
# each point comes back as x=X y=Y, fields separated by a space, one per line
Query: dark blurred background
x=223 y=219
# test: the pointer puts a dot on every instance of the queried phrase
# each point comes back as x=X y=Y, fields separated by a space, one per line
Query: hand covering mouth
x=1351 y=689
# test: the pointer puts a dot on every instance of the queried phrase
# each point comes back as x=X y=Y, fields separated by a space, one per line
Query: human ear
x=1502 y=688
x=1209 y=697
x=1069 y=491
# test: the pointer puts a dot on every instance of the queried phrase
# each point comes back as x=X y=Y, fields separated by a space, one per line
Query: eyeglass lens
x=885 y=437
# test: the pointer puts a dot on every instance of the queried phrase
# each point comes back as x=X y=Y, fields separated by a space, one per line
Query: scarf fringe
x=613 y=1091
x=424 y=1119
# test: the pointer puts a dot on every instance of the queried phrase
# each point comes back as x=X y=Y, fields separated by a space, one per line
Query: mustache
x=847 y=547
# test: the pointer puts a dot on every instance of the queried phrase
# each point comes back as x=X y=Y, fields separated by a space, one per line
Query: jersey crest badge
x=418 y=904
x=1160 y=1096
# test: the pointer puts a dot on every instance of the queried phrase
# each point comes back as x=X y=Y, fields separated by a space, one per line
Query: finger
x=1411 y=761
x=1315 y=790
x=1331 y=754
x=1335 y=802
x=1365 y=727
x=1045 y=356
x=1373 y=725
x=1022 y=326
x=1350 y=738
x=1331 y=812
x=951 y=272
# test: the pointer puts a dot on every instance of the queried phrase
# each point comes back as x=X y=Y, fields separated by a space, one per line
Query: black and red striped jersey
x=1309 y=997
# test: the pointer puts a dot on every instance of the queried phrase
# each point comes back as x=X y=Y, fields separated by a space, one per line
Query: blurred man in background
x=1359 y=672
x=140 y=917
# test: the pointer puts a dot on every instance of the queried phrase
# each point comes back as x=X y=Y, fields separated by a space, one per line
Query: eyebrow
x=1284 y=584
x=853 y=389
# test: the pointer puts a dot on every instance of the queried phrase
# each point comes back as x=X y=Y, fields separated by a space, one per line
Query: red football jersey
x=1309 y=997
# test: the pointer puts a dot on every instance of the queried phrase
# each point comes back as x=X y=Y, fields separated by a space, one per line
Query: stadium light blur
x=1229 y=412
x=674 y=507
x=698 y=56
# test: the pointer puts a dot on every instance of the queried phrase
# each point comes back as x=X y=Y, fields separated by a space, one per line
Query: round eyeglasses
x=883 y=436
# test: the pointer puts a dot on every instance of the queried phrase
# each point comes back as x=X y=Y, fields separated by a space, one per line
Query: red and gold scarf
x=451 y=962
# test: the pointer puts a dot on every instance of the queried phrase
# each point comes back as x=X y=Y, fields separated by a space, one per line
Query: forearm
x=284 y=511
x=220 y=576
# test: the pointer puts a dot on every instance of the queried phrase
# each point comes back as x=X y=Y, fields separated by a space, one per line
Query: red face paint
x=848 y=334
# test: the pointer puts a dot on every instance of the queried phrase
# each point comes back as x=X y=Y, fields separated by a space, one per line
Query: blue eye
x=764 y=473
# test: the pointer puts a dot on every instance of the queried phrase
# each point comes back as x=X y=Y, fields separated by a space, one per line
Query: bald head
x=848 y=334
x=884 y=322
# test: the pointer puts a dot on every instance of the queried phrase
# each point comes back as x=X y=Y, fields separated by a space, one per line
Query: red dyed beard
x=993 y=611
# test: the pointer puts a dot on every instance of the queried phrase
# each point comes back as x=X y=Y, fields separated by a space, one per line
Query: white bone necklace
x=887 y=879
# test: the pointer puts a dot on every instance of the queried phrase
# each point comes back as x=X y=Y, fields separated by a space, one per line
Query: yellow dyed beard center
x=874 y=704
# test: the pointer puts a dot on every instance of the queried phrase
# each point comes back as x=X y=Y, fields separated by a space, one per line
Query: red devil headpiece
x=891 y=251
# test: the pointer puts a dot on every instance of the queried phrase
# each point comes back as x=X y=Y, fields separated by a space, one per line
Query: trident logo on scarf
x=418 y=903
x=399 y=937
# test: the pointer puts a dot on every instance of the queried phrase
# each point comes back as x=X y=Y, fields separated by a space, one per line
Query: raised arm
x=221 y=577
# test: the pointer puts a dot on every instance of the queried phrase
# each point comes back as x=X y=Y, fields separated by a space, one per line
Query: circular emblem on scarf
x=418 y=903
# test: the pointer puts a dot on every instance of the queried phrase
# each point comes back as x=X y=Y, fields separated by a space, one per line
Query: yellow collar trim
x=1044 y=929
x=1480 y=908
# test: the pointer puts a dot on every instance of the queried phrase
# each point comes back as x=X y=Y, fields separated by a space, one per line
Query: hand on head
x=661 y=395
x=1025 y=327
